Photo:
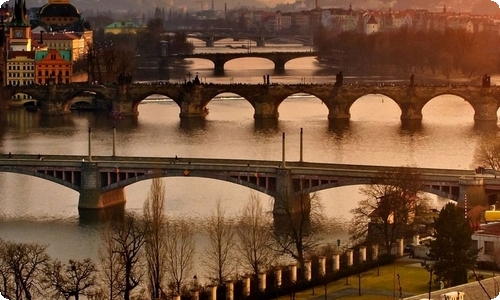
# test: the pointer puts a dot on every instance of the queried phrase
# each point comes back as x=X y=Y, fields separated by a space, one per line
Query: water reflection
x=88 y=217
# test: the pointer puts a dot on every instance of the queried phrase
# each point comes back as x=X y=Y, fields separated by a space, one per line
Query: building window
x=489 y=248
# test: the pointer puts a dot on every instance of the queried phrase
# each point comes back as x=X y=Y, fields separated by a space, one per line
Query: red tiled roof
x=55 y=36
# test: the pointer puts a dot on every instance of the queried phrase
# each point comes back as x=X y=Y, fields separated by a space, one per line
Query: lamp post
x=301 y=144
x=283 y=151
x=90 y=144
x=114 y=140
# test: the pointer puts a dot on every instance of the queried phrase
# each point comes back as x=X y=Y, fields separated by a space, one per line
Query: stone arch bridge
x=193 y=99
x=101 y=180
x=278 y=58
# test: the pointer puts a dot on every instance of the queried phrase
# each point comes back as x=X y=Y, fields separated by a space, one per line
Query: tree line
x=452 y=53
x=113 y=54
x=152 y=256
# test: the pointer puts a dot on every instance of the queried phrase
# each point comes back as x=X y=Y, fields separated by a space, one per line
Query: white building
x=487 y=238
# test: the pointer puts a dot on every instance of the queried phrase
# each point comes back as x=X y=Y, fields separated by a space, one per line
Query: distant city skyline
x=144 y=6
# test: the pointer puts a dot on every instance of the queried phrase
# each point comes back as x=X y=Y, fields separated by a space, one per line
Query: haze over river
x=35 y=210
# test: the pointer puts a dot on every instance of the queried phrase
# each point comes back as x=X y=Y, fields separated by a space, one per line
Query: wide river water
x=35 y=210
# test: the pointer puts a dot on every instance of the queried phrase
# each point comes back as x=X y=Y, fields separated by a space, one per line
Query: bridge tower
x=91 y=196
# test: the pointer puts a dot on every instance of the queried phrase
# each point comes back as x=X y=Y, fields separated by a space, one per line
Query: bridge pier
x=192 y=104
x=91 y=196
x=54 y=103
x=219 y=66
x=338 y=112
x=410 y=112
x=464 y=184
x=485 y=110
x=290 y=208
x=122 y=104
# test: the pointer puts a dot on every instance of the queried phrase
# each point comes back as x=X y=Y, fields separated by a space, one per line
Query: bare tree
x=75 y=279
x=126 y=246
x=22 y=269
x=6 y=280
x=111 y=268
x=156 y=246
x=298 y=224
x=393 y=204
x=255 y=238
x=219 y=257
x=488 y=153
x=180 y=254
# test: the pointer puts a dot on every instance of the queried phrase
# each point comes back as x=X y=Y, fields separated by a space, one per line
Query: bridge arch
x=458 y=94
x=142 y=97
x=264 y=61
x=211 y=105
x=311 y=103
x=186 y=173
x=49 y=176
x=376 y=99
x=87 y=96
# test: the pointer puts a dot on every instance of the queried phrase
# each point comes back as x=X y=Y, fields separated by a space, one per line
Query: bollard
x=213 y=292
x=277 y=273
x=322 y=266
x=262 y=282
x=400 y=247
x=307 y=270
x=293 y=272
x=336 y=262
x=246 y=286
x=229 y=290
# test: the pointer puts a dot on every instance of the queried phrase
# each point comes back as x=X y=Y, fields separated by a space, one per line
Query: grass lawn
x=413 y=279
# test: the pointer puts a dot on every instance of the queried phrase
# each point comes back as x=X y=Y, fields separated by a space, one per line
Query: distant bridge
x=210 y=37
x=101 y=180
x=193 y=99
x=278 y=58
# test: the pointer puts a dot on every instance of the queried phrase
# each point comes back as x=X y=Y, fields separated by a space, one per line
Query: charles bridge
x=193 y=99
x=101 y=180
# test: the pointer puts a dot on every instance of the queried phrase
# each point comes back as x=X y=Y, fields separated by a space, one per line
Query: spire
x=19 y=17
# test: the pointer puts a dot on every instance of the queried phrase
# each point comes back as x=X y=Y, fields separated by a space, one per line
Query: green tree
x=452 y=248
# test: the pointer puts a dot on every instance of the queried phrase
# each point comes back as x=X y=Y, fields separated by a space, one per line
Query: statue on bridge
x=196 y=80
x=339 y=78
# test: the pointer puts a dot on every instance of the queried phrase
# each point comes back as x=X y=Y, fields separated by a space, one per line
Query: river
x=35 y=210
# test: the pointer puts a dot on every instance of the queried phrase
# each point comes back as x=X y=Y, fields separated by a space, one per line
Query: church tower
x=20 y=29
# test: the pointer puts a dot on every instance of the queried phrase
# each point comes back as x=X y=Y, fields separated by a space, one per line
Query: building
x=20 y=67
x=121 y=27
x=487 y=239
x=20 y=28
x=63 y=41
x=59 y=13
x=53 y=66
